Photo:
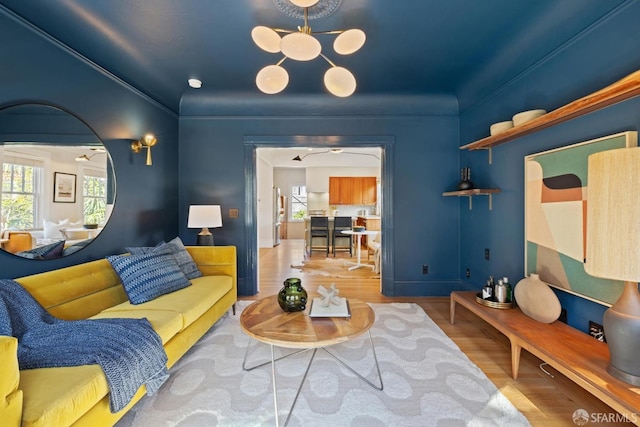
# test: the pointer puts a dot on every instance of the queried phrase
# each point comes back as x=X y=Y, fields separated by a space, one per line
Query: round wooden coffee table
x=266 y=322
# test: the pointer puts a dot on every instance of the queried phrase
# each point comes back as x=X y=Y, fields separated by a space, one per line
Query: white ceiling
x=320 y=157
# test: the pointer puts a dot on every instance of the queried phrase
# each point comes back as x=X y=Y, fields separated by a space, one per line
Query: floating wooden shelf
x=473 y=192
x=626 y=88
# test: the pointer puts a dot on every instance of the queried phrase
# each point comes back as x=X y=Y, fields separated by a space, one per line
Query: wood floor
x=544 y=400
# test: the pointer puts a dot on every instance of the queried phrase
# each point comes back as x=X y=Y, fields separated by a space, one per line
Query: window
x=298 y=202
x=21 y=194
x=94 y=196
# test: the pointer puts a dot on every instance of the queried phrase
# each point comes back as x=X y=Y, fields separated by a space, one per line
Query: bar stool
x=320 y=229
x=342 y=223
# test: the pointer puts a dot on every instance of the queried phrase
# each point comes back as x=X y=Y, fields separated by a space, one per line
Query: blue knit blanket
x=129 y=351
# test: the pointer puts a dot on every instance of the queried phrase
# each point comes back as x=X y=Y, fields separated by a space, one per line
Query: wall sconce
x=96 y=151
x=147 y=142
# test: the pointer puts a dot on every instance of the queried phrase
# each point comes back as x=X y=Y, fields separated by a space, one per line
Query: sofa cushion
x=59 y=396
x=9 y=374
x=50 y=251
x=148 y=276
x=166 y=323
x=10 y=396
x=52 y=229
x=183 y=258
x=190 y=303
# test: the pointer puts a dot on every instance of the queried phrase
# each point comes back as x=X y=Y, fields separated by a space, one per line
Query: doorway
x=316 y=144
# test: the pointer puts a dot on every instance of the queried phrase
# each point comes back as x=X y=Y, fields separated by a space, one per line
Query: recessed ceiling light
x=195 y=83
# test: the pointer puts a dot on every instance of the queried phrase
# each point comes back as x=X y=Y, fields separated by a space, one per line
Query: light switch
x=233 y=213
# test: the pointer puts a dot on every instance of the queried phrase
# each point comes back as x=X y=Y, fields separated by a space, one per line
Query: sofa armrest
x=216 y=260
x=10 y=395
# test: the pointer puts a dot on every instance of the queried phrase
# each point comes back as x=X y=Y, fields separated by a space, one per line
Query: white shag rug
x=427 y=380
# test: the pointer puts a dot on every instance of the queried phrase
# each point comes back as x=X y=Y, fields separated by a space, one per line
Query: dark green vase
x=292 y=297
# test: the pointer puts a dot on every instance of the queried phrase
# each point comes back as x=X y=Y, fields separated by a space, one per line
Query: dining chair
x=320 y=229
x=341 y=223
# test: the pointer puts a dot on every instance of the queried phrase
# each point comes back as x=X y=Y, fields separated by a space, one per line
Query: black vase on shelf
x=465 y=179
x=292 y=297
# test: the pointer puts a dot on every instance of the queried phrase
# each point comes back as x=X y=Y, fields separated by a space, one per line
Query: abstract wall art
x=556 y=197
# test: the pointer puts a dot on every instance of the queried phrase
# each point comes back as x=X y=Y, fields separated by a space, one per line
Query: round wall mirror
x=58 y=186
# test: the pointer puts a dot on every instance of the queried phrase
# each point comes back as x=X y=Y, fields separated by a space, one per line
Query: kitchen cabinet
x=369 y=190
x=352 y=190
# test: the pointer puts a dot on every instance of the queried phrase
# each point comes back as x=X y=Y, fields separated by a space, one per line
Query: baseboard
x=428 y=289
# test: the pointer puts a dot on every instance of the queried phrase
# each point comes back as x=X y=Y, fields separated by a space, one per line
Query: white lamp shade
x=304 y=3
x=349 y=41
x=340 y=81
x=204 y=216
x=300 y=46
x=613 y=223
x=266 y=39
x=272 y=79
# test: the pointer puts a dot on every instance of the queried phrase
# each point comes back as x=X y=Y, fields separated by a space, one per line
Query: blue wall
x=598 y=57
x=36 y=69
x=425 y=131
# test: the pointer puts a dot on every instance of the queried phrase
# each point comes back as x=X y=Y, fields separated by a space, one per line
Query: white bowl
x=500 y=127
x=525 y=116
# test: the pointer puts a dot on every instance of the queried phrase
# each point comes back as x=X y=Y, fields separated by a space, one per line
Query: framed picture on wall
x=64 y=187
x=556 y=197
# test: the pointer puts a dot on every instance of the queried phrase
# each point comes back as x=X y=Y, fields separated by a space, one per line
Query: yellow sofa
x=79 y=395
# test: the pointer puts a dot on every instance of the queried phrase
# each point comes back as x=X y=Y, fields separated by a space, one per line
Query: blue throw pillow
x=51 y=251
x=76 y=247
x=183 y=258
x=147 y=276
x=143 y=249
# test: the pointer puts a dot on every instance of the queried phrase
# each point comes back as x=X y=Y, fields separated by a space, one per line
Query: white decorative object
x=496 y=128
x=329 y=296
x=537 y=300
x=52 y=229
x=526 y=116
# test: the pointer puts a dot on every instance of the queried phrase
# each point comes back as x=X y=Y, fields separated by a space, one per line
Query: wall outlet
x=597 y=331
x=487 y=253
x=425 y=269
x=467 y=273
x=233 y=213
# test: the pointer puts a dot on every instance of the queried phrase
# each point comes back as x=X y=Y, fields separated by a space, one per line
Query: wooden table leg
x=515 y=358
x=452 y=309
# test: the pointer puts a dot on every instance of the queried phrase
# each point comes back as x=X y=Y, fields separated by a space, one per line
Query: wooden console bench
x=577 y=355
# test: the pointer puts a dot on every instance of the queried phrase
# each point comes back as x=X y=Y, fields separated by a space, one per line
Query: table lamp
x=613 y=251
x=204 y=216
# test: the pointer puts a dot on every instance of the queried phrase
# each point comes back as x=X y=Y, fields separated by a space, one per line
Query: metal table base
x=306 y=372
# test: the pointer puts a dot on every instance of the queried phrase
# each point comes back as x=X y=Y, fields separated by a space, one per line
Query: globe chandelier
x=301 y=45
